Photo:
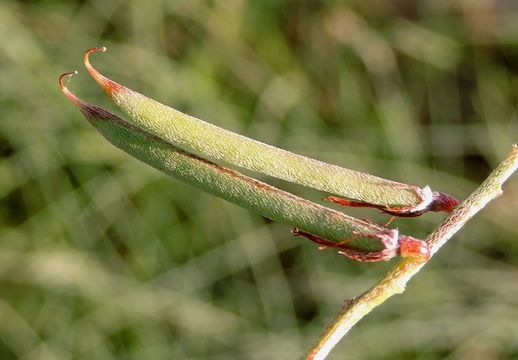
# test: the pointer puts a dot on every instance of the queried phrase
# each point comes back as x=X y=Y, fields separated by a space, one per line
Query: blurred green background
x=103 y=257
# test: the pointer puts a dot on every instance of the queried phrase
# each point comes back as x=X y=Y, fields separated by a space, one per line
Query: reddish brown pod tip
x=109 y=86
x=65 y=90
x=90 y=111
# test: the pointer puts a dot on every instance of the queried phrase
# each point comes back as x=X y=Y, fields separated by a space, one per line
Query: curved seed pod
x=207 y=140
x=237 y=188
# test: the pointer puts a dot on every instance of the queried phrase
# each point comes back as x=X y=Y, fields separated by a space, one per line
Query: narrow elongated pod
x=207 y=140
x=237 y=188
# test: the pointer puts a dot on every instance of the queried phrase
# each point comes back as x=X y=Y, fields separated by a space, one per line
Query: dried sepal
x=430 y=201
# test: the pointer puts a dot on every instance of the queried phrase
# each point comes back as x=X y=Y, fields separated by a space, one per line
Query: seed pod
x=264 y=199
x=209 y=141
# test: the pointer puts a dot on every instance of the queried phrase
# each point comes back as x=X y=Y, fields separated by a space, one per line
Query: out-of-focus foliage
x=103 y=257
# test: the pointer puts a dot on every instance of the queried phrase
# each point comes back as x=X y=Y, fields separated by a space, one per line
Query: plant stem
x=394 y=283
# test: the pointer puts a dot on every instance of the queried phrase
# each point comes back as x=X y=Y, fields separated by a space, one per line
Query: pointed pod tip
x=62 y=78
x=109 y=86
x=92 y=50
x=64 y=89
x=90 y=111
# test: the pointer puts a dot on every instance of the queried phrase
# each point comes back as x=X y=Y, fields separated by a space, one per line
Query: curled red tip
x=62 y=77
x=109 y=86
x=64 y=88
x=91 y=112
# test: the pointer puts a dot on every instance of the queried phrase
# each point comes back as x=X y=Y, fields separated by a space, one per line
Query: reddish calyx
x=412 y=247
x=393 y=243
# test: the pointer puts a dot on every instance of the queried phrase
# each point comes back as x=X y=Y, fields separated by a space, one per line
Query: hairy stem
x=396 y=280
